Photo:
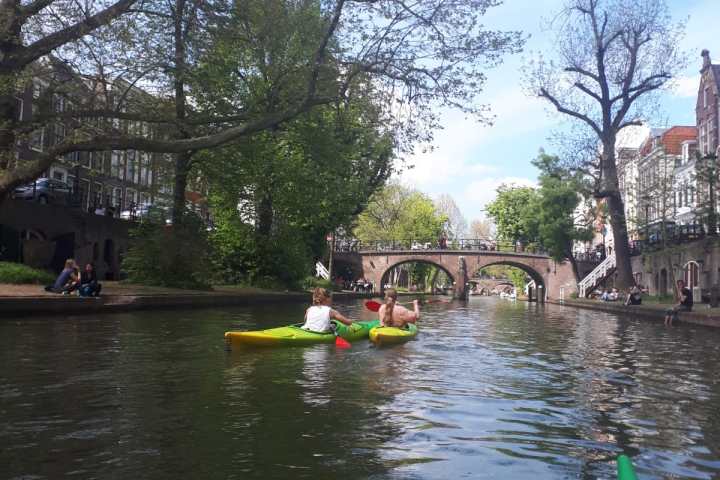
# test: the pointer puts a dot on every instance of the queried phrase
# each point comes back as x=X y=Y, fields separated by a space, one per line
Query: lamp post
x=646 y=203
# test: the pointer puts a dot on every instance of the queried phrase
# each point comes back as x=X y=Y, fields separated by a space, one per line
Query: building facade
x=707 y=109
x=103 y=182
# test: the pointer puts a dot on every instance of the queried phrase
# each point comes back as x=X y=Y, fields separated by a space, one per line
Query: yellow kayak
x=392 y=335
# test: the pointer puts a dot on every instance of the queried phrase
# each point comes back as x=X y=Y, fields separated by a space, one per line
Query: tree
x=334 y=50
x=555 y=210
x=399 y=214
x=511 y=215
x=613 y=59
x=456 y=226
x=484 y=229
x=276 y=195
x=706 y=178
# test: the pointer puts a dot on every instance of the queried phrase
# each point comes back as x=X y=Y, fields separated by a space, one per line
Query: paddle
x=340 y=342
x=625 y=470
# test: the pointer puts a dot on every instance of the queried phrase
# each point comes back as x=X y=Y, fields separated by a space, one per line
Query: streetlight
x=646 y=202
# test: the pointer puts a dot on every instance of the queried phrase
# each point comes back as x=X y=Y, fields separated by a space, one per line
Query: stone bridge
x=555 y=280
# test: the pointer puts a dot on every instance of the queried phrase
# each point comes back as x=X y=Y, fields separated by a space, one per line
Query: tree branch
x=560 y=108
x=33 y=8
x=49 y=43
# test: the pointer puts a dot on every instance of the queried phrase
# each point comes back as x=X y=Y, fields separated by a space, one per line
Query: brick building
x=114 y=181
x=707 y=109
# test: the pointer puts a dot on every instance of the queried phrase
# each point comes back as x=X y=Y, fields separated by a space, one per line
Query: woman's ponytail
x=390 y=299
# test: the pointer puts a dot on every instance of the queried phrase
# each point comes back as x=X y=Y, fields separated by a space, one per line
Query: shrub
x=18 y=273
x=313 y=282
x=170 y=256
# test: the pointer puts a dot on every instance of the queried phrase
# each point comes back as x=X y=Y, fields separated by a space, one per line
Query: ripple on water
x=490 y=389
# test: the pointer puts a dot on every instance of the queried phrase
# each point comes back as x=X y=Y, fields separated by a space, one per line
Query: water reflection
x=489 y=389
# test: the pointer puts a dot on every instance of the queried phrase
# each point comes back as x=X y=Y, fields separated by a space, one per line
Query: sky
x=470 y=160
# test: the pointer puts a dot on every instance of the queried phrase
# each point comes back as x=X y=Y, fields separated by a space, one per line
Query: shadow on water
x=490 y=389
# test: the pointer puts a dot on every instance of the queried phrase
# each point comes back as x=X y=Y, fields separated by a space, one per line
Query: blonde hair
x=70 y=263
x=390 y=299
x=320 y=295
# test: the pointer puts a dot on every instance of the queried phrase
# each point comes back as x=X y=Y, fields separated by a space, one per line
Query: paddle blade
x=342 y=343
x=372 y=305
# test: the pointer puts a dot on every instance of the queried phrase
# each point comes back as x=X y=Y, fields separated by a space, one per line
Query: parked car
x=146 y=212
x=44 y=190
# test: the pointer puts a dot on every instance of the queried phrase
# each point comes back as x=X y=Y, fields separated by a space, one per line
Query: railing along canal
x=460 y=244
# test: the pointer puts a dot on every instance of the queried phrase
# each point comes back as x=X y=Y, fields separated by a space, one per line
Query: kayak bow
x=392 y=335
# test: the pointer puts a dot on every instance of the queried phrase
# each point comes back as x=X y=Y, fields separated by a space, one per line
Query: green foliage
x=277 y=194
x=555 y=208
x=513 y=219
x=170 y=256
x=518 y=278
x=312 y=282
x=546 y=215
x=18 y=273
x=397 y=213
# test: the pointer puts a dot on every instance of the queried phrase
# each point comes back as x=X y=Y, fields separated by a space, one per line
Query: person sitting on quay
x=614 y=295
x=89 y=286
x=67 y=281
x=634 y=297
x=685 y=303
x=605 y=296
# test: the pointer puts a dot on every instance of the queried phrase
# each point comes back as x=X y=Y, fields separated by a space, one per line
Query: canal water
x=490 y=389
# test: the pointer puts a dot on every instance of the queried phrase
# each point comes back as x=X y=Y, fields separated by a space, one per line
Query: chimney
x=706 y=59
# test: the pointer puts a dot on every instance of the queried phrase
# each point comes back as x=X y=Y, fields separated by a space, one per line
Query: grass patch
x=18 y=273
x=659 y=299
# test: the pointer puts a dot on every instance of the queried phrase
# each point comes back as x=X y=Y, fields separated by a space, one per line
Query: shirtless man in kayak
x=393 y=315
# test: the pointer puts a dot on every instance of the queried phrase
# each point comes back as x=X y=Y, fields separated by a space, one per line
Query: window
x=58 y=103
x=97 y=195
x=145 y=178
x=59 y=132
x=705 y=96
x=19 y=108
x=37 y=140
x=691 y=275
x=58 y=174
x=72 y=157
x=115 y=164
x=130 y=199
x=116 y=197
x=84 y=159
x=84 y=194
x=131 y=166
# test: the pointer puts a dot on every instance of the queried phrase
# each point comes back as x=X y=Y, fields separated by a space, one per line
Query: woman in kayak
x=317 y=317
x=393 y=315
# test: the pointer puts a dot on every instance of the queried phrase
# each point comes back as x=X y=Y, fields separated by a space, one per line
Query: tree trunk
x=574 y=265
x=611 y=190
x=265 y=215
x=182 y=169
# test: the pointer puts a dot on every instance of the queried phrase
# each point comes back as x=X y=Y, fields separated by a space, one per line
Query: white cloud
x=458 y=145
x=478 y=193
x=686 y=86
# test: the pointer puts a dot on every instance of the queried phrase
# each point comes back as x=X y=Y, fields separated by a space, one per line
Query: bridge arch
x=557 y=278
x=386 y=272
x=532 y=273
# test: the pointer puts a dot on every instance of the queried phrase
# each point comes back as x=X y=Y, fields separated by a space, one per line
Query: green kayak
x=293 y=335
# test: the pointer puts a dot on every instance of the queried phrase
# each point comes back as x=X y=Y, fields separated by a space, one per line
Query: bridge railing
x=466 y=244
